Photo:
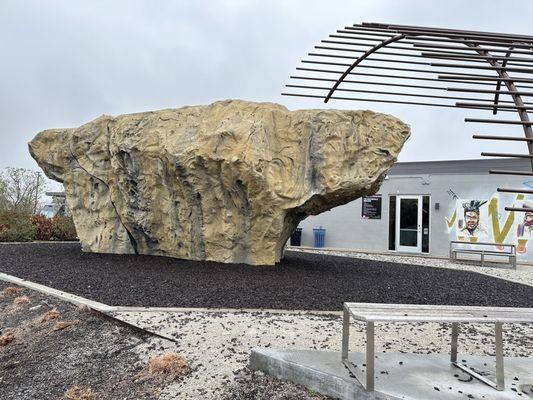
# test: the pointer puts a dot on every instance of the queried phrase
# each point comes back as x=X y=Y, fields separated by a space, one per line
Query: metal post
x=455 y=336
x=500 y=377
x=370 y=356
x=345 y=333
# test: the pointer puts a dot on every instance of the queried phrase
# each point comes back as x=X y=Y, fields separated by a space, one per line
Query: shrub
x=63 y=228
x=20 y=227
x=44 y=229
x=16 y=227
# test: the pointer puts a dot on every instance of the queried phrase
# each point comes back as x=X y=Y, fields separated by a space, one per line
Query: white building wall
x=346 y=229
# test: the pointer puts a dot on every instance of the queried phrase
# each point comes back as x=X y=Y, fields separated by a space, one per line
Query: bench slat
x=428 y=313
x=491 y=252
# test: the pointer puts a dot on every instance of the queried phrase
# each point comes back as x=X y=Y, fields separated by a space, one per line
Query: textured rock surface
x=226 y=182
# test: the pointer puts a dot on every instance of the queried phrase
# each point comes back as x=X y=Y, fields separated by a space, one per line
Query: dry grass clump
x=84 y=308
x=49 y=316
x=59 y=326
x=10 y=291
x=7 y=338
x=79 y=393
x=21 y=301
x=169 y=365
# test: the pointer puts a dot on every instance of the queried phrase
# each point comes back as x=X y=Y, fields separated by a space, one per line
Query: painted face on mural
x=528 y=215
x=471 y=220
x=528 y=218
x=471 y=214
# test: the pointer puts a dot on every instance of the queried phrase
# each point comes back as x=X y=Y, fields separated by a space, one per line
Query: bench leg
x=498 y=336
x=369 y=351
x=370 y=356
x=500 y=377
x=345 y=334
x=455 y=336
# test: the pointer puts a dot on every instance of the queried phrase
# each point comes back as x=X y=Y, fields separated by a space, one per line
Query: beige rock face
x=227 y=182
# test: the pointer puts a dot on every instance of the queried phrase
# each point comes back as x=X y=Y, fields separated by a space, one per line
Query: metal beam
x=498 y=121
x=503 y=172
x=507 y=190
x=370 y=100
x=424 y=46
x=476 y=90
x=511 y=138
x=415 y=78
x=475 y=105
x=507 y=155
x=493 y=105
x=484 y=78
x=460 y=32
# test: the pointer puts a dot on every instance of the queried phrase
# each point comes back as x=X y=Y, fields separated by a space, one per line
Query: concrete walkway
x=219 y=344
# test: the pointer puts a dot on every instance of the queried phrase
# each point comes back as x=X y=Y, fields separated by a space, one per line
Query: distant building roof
x=479 y=166
x=55 y=194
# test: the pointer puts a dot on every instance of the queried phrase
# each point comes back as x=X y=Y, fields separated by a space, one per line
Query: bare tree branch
x=21 y=190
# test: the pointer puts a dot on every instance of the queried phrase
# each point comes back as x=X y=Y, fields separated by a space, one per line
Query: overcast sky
x=64 y=63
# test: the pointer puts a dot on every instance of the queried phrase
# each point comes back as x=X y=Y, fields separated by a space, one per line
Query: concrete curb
x=71 y=298
x=100 y=308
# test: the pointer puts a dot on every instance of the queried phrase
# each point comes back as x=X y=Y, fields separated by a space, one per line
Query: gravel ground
x=302 y=281
x=218 y=345
x=46 y=358
x=100 y=355
x=522 y=274
x=250 y=385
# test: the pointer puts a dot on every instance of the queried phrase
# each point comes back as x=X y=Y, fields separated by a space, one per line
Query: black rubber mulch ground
x=300 y=281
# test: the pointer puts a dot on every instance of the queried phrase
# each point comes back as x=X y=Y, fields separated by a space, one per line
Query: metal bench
x=370 y=313
x=511 y=253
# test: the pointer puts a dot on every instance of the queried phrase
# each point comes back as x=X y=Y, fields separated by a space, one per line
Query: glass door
x=408 y=224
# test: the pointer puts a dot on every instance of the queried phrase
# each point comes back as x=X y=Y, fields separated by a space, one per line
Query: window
x=392 y=223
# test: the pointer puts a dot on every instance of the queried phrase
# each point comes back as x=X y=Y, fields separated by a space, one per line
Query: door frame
x=409 y=249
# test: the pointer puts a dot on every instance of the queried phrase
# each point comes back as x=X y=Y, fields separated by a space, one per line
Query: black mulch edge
x=301 y=281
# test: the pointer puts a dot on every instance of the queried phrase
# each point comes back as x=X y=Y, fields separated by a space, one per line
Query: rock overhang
x=227 y=182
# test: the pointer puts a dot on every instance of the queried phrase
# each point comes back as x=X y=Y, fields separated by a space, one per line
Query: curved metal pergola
x=487 y=65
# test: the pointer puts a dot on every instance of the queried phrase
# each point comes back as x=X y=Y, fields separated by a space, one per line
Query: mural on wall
x=485 y=220
x=471 y=225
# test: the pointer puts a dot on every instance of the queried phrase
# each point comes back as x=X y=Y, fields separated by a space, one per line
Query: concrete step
x=398 y=375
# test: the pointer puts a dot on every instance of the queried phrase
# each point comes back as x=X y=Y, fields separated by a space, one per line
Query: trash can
x=319 y=235
x=296 y=237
